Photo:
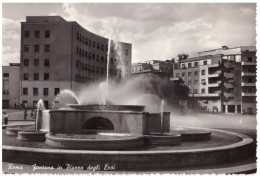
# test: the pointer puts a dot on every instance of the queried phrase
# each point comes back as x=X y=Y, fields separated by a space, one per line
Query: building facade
x=57 y=54
x=152 y=68
x=11 y=87
x=221 y=80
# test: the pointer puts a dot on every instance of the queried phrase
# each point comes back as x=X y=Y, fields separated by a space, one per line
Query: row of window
x=36 y=62
x=97 y=45
x=46 y=76
x=92 y=68
x=203 y=72
x=90 y=43
x=26 y=48
x=36 y=91
x=37 y=34
x=196 y=64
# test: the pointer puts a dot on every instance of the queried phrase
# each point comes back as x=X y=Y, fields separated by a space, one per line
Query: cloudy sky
x=157 y=31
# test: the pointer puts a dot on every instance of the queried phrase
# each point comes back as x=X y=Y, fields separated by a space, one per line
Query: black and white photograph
x=129 y=88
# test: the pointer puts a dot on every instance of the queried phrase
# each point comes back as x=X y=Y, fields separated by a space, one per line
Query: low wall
x=72 y=121
x=131 y=160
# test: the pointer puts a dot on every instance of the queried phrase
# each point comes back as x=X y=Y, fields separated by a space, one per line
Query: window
x=183 y=74
x=36 y=76
x=25 y=76
x=177 y=75
x=196 y=73
x=26 y=48
x=250 y=90
x=89 y=41
x=94 y=44
x=195 y=81
x=189 y=73
x=203 y=72
x=195 y=91
x=86 y=41
x=203 y=82
x=26 y=34
x=36 y=48
x=37 y=34
x=56 y=91
x=203 y=91
x=126 y=52
x=250 y=59
x=46 y=62
x=46 y=48
x=196 y=64
x=97 y=58
x=25 y=91
x=47 y=34
x=93 y=56
x=230 y=90
x=46 y=76
x=250 y=80
x=98 y=46
x=230 y=70
x=102 y=47
x=6 y=75
x=26 y=62
x=102 y=59
x=182 y=65
x=189 y=65
x=230 y=80
x=35 y=91
x=36 y=62
x=204 y=62
x=230 y=98
x=45 y=91
x=189 y=82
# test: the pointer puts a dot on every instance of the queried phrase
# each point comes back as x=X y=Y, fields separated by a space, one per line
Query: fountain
x=128 y=137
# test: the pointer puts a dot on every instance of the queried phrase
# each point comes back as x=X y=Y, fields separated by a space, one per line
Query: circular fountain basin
x=195 y=135
x=32 y=135
x=172 y=138
x=99 y=141
x=13 y=131
x=107 y=107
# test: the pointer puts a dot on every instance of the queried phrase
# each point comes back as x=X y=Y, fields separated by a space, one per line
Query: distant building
x=57 y=54
x=11 y=85
x=153 y=68
x=221 y=80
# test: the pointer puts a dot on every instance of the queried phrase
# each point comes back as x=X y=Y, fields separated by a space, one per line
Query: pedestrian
x=31 y=113
x=25 y=114
x=5 y=118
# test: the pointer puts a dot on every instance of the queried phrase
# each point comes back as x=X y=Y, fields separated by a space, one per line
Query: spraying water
x=108 y=56
x=40 y=107
x=66 y=97
x=162 y=109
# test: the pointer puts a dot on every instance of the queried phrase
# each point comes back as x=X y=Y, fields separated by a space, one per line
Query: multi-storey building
x=57 y=54
x=221 y=80
x=11 y=88
x=153 y=67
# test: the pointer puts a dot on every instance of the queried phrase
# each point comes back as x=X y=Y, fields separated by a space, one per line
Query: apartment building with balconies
x=221 y=80
x=57 y=54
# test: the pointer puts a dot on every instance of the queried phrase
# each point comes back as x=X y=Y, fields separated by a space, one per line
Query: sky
x=156 y=31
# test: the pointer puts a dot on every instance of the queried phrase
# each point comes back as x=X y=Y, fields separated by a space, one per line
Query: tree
x=182 y=56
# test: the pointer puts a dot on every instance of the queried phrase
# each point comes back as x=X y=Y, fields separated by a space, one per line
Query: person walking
x=32 y=114
x=5 y=118
x=25 y=114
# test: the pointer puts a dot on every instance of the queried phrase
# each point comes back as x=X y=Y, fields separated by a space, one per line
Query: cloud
x=156 y=30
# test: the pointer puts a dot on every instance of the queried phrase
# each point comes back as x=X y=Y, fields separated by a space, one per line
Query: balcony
x=249 y=94
x=248 y=84
x=215 y=74
x=205 y=95
x=214 y=65
x=229 y=94
x=248 y=63
x=215 y=84
x=248 y=73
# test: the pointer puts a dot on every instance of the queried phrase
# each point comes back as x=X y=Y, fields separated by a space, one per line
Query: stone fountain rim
x=245 y=140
